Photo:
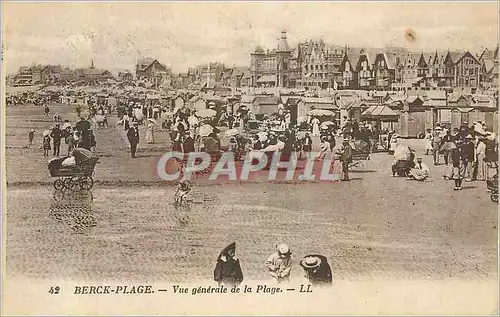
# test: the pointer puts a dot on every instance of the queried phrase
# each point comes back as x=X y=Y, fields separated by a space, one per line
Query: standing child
x=31 y=136
x=46 y=145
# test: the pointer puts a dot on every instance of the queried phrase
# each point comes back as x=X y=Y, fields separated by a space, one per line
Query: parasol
x=210 y=144
x=205 y=130
x=232 y=132
x=206 y=113
x=82 y=155
x=320 y=113
x=327 y=123
x=448 y=146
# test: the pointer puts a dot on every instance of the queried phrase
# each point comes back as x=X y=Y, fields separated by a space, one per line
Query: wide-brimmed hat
x=346 y=140
x=135 y=123
x=283 y=249
x=438 y=128
x=310 y=262
x=469 y=137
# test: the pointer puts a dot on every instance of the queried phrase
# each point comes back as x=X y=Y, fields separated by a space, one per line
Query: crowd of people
x=468 y=152
x=81 y=135
x=316 y=269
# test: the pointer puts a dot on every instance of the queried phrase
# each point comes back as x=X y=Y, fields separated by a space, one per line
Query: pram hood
x=82 y=155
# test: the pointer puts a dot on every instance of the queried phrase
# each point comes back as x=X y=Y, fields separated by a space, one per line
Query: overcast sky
x=188 y=34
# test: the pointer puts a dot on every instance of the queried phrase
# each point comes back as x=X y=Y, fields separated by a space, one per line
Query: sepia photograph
x=250 y=158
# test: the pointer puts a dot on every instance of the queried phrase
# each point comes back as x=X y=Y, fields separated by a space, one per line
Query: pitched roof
x=465 y=54
x=454 y=97
x=489 y=64
x=379 y=111
x=390 y=59
x=481 y=98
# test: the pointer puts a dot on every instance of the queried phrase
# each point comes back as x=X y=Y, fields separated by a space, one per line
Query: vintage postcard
x=249 y=158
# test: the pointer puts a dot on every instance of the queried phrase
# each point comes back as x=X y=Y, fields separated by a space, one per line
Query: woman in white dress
x=150 y=133
x=324 y=149
x=428 y=142
x=394 y=143
x=315 y=130
x=482 y=169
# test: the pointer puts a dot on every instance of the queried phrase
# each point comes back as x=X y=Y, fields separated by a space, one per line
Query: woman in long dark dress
x=228 y=270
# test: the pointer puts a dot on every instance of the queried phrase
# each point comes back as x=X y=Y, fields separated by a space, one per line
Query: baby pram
x=404 y=161
x=492 y=185
x=360 y=153
x=77 y=175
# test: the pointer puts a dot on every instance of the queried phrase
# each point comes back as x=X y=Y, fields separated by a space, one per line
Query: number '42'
x=54 y=290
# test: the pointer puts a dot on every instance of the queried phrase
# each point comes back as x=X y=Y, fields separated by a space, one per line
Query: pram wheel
x=494 y=198
x=58 y=184
x=86 y=182
x=68 y=183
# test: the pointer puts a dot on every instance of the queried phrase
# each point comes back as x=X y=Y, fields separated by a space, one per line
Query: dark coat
x=346 y=156
x=56 y=135
x=189 y=145
x=469 y=149
x=83 y=125
x=228 y=272
x=257 y=145
x=323 y=275
x=133 y=135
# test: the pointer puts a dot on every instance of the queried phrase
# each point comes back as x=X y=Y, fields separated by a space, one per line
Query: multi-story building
x=364 y=70
x=437 y=71
x=348 y=69
x=489 y=68
x=276 y=68
x=211 y=74
x=23 y=77
x=466 y=70
x=152 y=70
x=384 y=70
x=232 y=77
x=92 y=74
x=320 y=64
x=125 y=76
x=34 y=75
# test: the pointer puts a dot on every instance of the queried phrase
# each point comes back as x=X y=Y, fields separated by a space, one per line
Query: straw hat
x=283 y=249
x=469 y=137
x=310 y=262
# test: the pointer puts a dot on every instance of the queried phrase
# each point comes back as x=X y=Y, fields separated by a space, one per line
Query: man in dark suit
x=133 y=138
x=56 y=136
x=346 y=158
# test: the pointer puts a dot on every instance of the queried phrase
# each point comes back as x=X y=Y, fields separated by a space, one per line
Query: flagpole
x=208 y=80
